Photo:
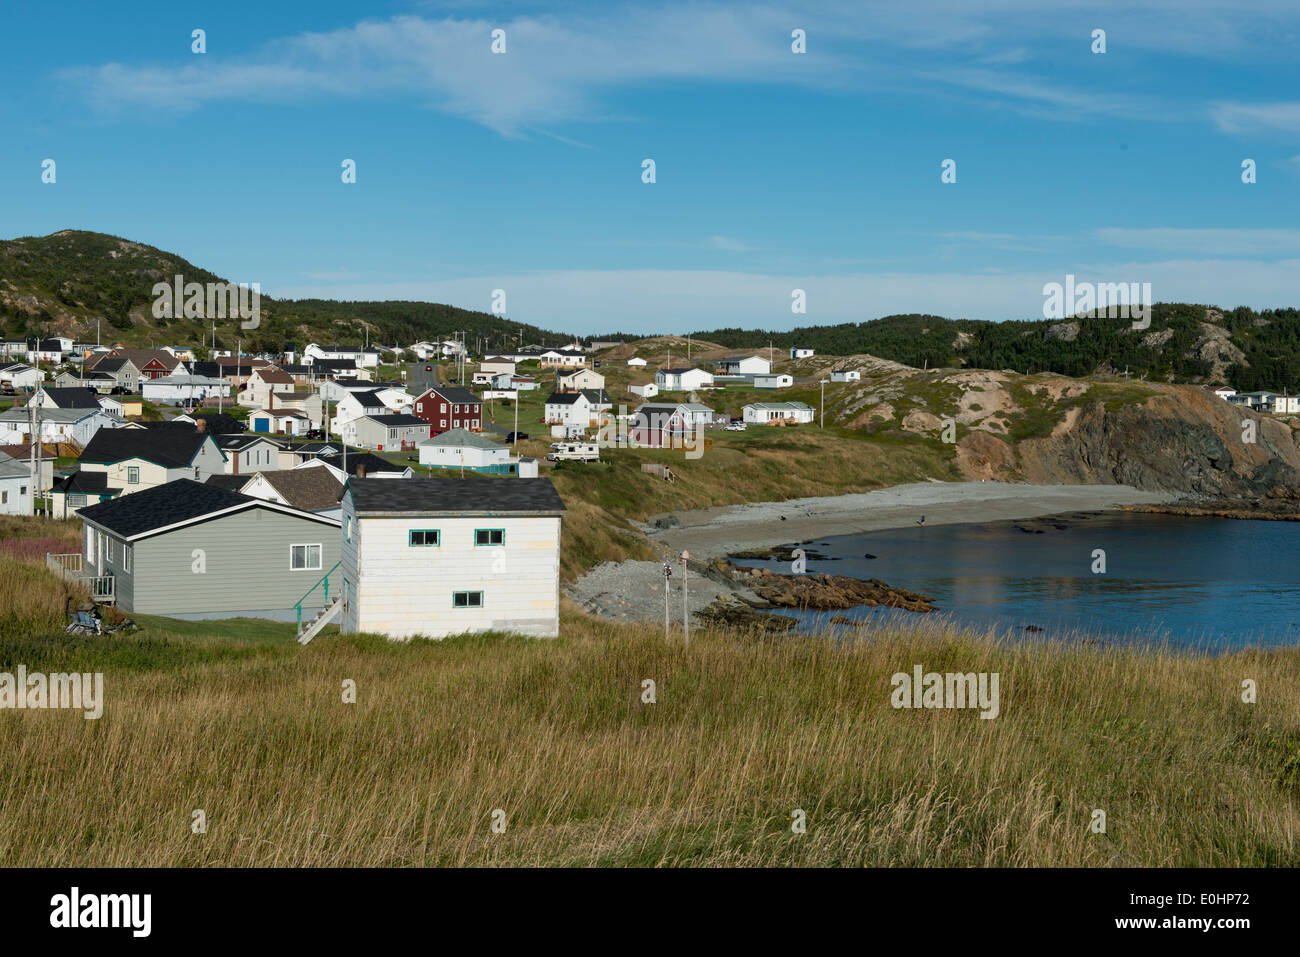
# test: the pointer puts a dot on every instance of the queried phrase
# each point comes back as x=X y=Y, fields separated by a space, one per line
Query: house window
x=4 y=497
x=444 y=423
x=126 y=557
x=133 y=475
x=108 y=551
x=467 y=599
x=424 y=537
x=348 y=527
x=76 y=500
x=489 y=536
x=304 y=558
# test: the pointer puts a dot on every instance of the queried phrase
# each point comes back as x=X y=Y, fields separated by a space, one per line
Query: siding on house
x=246 y=560
x=401 y=590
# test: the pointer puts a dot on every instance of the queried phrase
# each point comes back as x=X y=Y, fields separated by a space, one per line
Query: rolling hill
x=62 y=284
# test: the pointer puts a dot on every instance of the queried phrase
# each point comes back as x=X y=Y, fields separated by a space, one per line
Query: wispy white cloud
x=1231 y=117
x=1269 y=243
x=560 y=67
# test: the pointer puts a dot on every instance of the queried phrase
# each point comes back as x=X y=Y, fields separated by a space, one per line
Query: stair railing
x=323 y=583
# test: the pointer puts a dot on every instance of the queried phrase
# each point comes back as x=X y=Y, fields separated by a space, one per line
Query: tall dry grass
x=744 y=731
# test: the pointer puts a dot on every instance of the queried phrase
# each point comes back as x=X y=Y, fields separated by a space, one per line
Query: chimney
x=361 y=470
x=200 y=425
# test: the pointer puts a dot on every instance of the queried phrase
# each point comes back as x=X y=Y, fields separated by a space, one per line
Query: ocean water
x=1202 y=584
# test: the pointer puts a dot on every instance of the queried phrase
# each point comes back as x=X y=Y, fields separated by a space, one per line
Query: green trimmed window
x=489 y=536
x=467 y=599
x=424 y=538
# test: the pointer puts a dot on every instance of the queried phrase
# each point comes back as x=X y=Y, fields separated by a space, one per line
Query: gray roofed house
x=439 y=557
x=192 y=550
x=532 y=496
x=385 y=431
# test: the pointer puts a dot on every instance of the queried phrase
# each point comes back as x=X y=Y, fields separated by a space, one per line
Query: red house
x=448 y=407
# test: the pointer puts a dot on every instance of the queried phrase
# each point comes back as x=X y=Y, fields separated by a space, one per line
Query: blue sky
x=775 y=171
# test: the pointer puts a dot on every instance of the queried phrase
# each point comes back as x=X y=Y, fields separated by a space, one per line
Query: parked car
x=316 y=434
x=736 y=427
x=516 y=436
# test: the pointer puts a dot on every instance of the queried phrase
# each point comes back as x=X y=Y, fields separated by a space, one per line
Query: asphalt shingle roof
x=161 y=506
x=456 y=394
x=308 y=489
x=398 y=419
x=168 y=447
x=73 y=398
x=444 y=495
x=462 y=438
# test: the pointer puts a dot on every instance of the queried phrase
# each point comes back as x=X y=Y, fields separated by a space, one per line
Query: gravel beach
x=712 y=532
x=634 y=591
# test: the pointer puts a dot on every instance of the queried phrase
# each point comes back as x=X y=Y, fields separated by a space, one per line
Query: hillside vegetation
x=61 y=283
x=1249 y=349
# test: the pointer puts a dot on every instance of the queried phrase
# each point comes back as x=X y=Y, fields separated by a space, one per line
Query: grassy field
x=238 y=720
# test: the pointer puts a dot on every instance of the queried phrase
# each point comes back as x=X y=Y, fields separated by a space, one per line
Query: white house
x=447 y=556
x=365 y=358
x=1285 y=405
x=579 y=379
x=460 y=448
x=178 y=389
x=846 y=375
x=20 y=376
x=281 y=421
x=572 y=409
x=355 y=404
x=744 y=365
x=682 y=380
x=392 y=431
x=1222 y=391
x=766 y=413
x=56 y=425
x=563 y=358
x=248 y=452
x=775 y=380
x=636 y=361
x=647 y=391
x=15 y=487
x=797 y=353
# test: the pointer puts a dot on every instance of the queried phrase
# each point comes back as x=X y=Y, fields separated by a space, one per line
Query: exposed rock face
x=984 y=456
x=1185 y=440
x=1064 y=331
x=1215 y=347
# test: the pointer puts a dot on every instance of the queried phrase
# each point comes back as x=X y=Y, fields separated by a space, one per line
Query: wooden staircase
x=323 y=618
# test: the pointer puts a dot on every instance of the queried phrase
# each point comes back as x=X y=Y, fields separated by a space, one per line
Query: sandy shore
x=711 y=532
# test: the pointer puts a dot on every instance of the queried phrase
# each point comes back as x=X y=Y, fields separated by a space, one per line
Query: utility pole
x=686 y=603
x=668 y=574
x=33 y=423
x=769 y=353
x=822 y=416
